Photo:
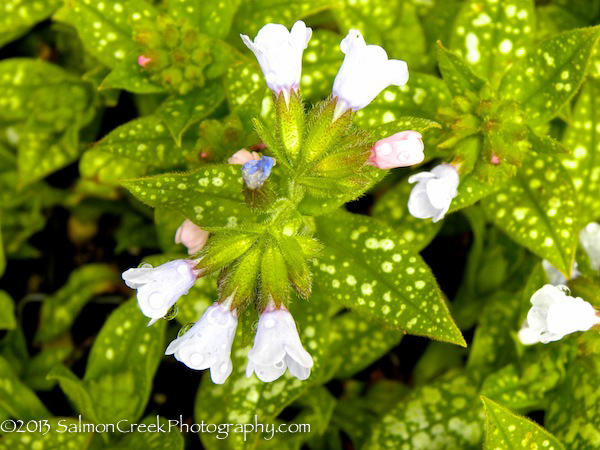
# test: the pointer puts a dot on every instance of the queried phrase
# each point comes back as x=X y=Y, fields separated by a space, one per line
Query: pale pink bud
x=399 y=150
x=192 y=236
x=242 y=156
x=495 y=159
x=142 y=60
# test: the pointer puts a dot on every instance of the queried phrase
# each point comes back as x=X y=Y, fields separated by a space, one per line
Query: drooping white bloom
x=191 y=236
x=208 y=343
x=590 y=241
x=555 y=276
x=365 y=72
x=277 y=346
x=433 y=194
x=555 y=314
x=158 y=288
x=279 y=53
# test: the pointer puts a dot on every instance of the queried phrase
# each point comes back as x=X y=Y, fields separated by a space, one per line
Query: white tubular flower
x=555 y=314
x=279 y=53
x=277 y=346
x=365 y=72
x=555 y=276
x=159 y=288
x=433 y=194
x=590 y=241
x=208 y=343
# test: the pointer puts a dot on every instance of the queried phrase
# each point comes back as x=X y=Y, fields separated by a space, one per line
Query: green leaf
x=549 y=77
x=367 y=267
x=545 y=144
x=37 y=368
x=357 y=342
x=320 y=64
x=210 y=197
x=491 y=35
x=129 y=75
x=470 y=191
x=247 y=93
x=456 y=73
x=110 y=169
x=508 y=431
x=212 y=17
x=106 y=28
x=442 y=415
x=7 y=312
x=582 y=138
x=63 y=433
x=148 y=437
x=122 y=364
x=538 y=209
x=201 y=296
x=147 y=140
x=76 y=392
x=17 y=16
x=422 y=96
x=179 y=112
x=59 y=311
x=16 y=398
x=391 y=208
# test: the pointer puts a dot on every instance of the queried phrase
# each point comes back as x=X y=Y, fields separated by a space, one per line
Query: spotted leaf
x=7 y=312
x=444 y=414
x=210 y=196
x=320 y=64
x=122 y=364
x=16 y=398
x=106 y=27
x=60 y=310
x=179 y=112
x=130 y=76
x=17 y=16
x=64 y=432
x=470 y=191
x=538 y=209
x=109 y=169
x=582 y=138
x=456 y=73
x=391 y=208
x=550 y=75
x=492 y=35
x=508 y=431
x=367 y=267
x=148 y=437
x=213 y=17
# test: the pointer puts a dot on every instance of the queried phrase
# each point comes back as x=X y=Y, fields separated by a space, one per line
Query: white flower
x=158 y=288
x=590 y=241
x=555 y=314
x=365 y=72
x=208 y=343
x=279 y=53
x=555 y=276
x=277 y=346
x=433 y=194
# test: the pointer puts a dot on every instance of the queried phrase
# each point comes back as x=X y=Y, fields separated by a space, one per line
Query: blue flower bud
x=255 y=173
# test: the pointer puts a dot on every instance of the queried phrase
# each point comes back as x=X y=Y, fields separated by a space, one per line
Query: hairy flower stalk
x=159 y=288
x=555 y=314
x=433 y=193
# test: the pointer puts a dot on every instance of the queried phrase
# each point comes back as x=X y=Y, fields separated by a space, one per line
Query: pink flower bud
x=399 y=150
x=495 y=159
x=242 y=156
x=142 y=60
x=192 y=236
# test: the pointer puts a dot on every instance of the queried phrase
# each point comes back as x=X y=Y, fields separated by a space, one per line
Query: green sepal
x=269 y=139
x=274 y=283
x=545 y=144
x=259 y=199
x=222 y=249
x=240 y=281
x=289 y=119
x=297 y=265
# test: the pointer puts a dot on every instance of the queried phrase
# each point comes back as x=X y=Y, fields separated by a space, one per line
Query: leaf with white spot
x=212 y=17
x=357 y=342
x=16 y=398
x=446 y=414
x=7 y=312
x=538 y=209
x=422 y=96
x=60 y=310
x=582 y=138
x=191 y=307
x=107 y=27
x=252 y=15
x=240 y=399
x=122 y=364
x=320 y=64
x=76 y=391
x=130 y=76
x=149 y=437
x=386 y=23
x=366 y=266
x=456 y=73
x=550 y=75
x=17 y=16
x=508 y=431
x=39 y=366
x=391 y=208
x=491 y=35
x=179 y=112
x=64 y=433
x=247 y=93
x=470 y=191
x=210 y=196
x=109 y=169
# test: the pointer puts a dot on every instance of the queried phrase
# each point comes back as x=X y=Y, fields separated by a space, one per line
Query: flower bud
x=255 y=173
x=242 y=156
x=191 y=236
x=399 y=150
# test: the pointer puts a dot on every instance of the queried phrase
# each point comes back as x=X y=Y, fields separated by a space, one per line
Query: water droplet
x=279 y=364
x=269 y=323
x=144 y=265
x=254 y=325
x=564 y=289
x=171 y=313
x=196 y=359
x=184 y=329
x=183 y=269
x=155 y=300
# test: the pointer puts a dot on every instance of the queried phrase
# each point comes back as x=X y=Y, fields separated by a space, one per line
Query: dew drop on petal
x=144 y=265
x=565 y=290
x=279 y=364
x=184 y=329
x=155 y=300
x=196 y=359
x=171 y=313
x=269 y=323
